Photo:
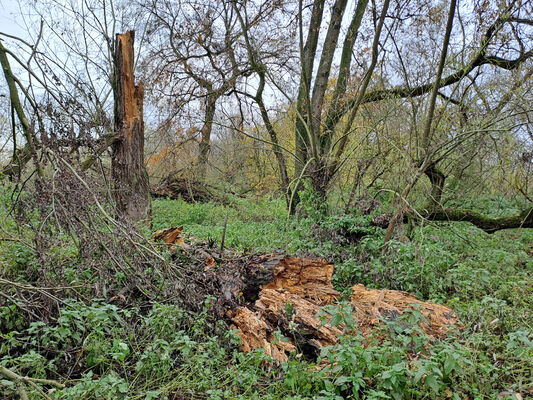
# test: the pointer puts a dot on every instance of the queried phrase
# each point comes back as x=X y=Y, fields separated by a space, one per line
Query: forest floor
x=103 y=348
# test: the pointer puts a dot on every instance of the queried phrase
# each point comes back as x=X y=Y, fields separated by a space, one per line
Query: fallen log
x=488 y=224
x=266 y=294
x=299 y=288
x=175 y=188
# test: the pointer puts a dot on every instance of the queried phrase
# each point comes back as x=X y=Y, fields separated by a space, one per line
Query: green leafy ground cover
x=161 y=351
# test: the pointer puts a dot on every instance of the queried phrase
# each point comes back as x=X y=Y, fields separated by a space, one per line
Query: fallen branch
x=20 y=380
x=488 y=224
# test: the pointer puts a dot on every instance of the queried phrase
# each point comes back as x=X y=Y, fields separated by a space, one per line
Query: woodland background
x=391 y=137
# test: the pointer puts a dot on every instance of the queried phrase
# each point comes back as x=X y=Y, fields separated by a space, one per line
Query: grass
x=129 y=353
x=260 y=225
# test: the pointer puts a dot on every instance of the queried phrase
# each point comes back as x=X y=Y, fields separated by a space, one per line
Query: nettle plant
x=396 y=360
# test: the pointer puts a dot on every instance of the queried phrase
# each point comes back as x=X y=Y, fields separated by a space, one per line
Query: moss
x=488 y=224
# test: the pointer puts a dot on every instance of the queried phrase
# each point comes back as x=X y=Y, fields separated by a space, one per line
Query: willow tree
x=324 y=123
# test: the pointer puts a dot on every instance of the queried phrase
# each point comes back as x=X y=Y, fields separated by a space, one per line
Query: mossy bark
x=29 y=151
x=437 y=179
x=488 y=224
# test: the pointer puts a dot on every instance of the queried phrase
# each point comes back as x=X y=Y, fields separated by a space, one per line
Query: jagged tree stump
x=130 y=180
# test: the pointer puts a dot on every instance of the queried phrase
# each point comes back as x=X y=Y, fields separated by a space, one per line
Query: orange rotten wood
x=297 y=290
x=263 y=294
x=130 y=180
x=169 y=235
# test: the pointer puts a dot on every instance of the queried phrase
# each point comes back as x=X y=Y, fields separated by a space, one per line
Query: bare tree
x=261 y=46
x=194 y=61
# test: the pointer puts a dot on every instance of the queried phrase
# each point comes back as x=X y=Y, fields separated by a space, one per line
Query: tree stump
x=130 y=180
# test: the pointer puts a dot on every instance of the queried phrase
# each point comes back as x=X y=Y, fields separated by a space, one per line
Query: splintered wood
x=264 y=295
x=371 y=304
x=299 y=287
x=169 y=236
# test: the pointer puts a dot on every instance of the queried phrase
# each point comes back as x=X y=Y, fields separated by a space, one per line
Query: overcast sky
x=8 y=21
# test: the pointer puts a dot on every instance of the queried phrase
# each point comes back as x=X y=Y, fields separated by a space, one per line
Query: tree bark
x=205 y=140
x=29 y=151
x=131 y=188
x=342 y=79
x=324 y=66
x=489 y=225
x=437 y=179
x=302 y=126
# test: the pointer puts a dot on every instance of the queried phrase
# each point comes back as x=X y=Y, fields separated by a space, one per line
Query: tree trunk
x=301 y=145
x=437 y=179
x=301 y=134
x=489 y=225
x=131 y=188
x=428 y=128
x=29 y=151
x=205 y=141
x=523 y=219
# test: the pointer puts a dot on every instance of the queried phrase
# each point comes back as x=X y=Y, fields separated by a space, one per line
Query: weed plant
x=160 y=350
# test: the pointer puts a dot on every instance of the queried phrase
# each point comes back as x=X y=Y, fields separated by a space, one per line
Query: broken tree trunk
x=131 y=188
x=266 y=294
x=297 y=289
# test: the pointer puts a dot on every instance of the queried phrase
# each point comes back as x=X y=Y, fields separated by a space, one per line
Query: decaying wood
x=131 y=188
x=304 y=277
x=256 y=333
x=299 y=287
x=290 y=291
x=176 y=187
x=264 y=295
x=169 y=235
x=371 y=304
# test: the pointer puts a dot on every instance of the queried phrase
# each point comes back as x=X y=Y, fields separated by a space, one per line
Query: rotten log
x=130 y=180
x=190 y=191
x=264 y=294
x=297 y=289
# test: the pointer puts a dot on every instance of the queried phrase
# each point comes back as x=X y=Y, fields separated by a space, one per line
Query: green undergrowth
x=256 y=224
x=162 y=351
